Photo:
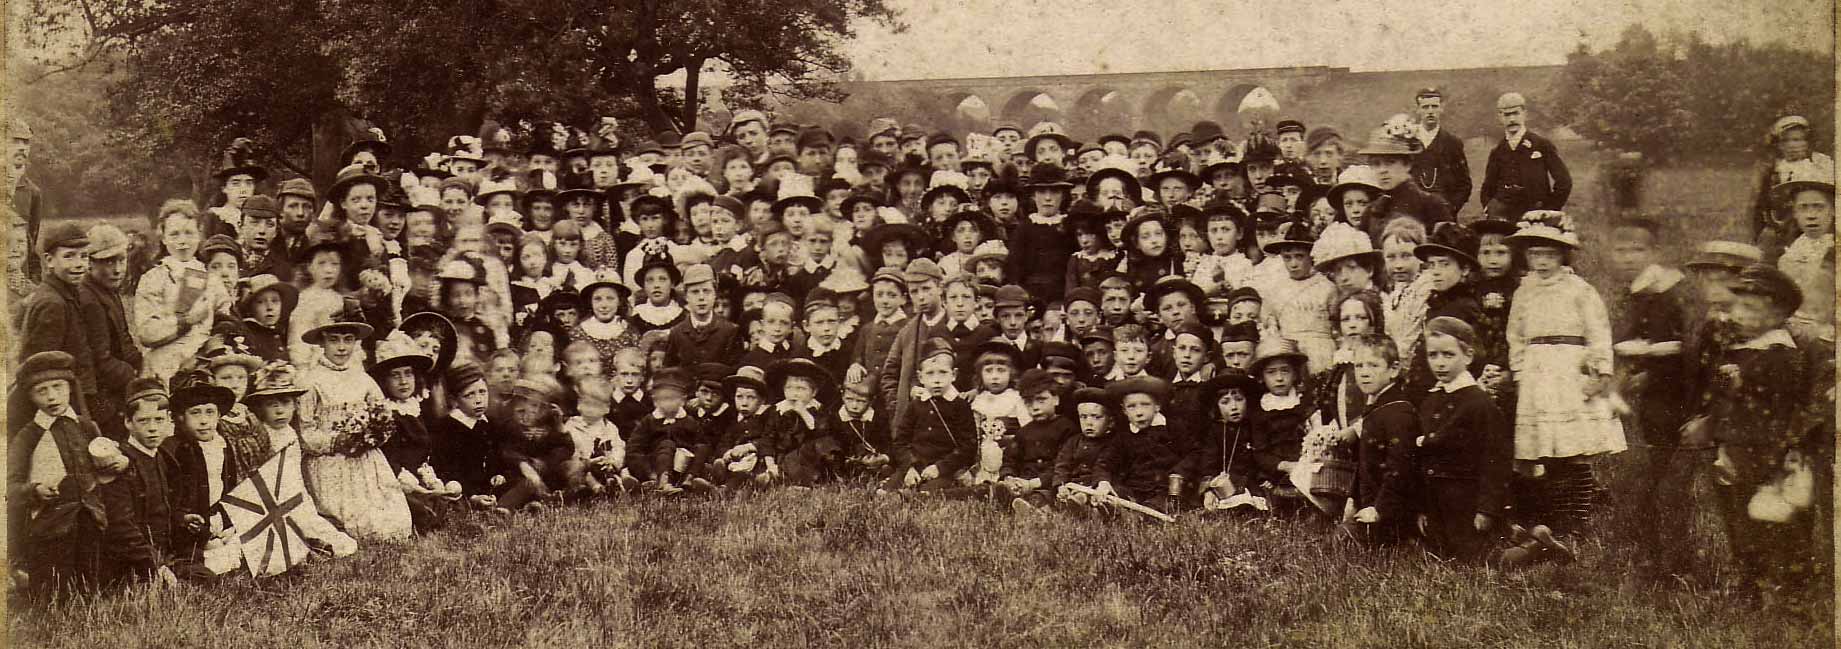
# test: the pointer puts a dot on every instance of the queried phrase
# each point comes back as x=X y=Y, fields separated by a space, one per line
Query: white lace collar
x=604 y=330
x=1270 y=402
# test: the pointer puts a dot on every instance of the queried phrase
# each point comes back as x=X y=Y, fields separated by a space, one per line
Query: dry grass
x=841 y=568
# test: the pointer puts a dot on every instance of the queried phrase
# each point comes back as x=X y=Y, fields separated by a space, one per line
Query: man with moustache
x=105 y=323
x=27 y=198
x=1525 y=171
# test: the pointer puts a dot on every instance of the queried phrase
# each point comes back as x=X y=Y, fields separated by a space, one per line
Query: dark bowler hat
x=1452 y=240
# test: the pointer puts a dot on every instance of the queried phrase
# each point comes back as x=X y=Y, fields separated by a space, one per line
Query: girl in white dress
x=343 y=424
x=1560 y=353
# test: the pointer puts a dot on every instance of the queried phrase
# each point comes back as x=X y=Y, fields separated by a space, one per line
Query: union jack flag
x=269 y=510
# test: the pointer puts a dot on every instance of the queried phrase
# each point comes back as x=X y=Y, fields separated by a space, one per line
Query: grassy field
x=841 y=568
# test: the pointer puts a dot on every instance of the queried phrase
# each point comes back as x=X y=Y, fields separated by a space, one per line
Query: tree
x=1677 y=95
x=298 y=76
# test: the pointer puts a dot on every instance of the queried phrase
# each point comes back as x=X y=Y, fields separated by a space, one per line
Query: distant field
x=836 y=568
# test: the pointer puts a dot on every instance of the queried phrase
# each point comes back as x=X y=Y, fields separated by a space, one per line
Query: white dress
x=1557 y=332
x=359 y=492
x=1300 y=310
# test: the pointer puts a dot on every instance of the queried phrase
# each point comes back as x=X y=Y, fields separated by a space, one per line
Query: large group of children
x=1208 y=327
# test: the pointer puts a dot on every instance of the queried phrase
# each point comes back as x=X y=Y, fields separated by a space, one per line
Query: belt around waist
x=1557 y=340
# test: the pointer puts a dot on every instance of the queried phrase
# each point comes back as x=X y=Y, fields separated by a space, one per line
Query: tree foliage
x=1678 y=95
x=298 y=76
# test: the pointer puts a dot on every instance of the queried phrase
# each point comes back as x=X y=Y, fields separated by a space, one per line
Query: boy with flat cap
x=52 y=317
x=117 y=358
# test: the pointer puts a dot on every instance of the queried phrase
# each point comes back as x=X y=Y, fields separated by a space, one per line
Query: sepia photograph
x=919 y=323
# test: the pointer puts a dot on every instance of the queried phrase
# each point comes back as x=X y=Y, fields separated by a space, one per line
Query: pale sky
x=978 y=38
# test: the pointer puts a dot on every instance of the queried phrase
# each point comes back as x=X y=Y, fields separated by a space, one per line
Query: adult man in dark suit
x=1525 y=171
x=1441 y=168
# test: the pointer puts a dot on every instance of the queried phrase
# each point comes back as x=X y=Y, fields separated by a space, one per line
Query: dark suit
x=28 y=201
x=1442 y=169
x=687 y=344
x=1531 y=177
x=142 y=519
x=1406 y=200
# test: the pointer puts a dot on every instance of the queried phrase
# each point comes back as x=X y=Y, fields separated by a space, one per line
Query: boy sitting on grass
x=792 y=441
x=1085 y=460
x=538 y=456
x=936 y=438
x=1029 y=455
x=863 y=436
x=597 y=441
x=662 y=445
x=1148 y=450
x=141 y=521
x=1221 y=465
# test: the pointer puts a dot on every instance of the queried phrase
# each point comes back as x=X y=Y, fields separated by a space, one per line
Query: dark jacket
x=465 y=455
x=1405 y=200
x=52 y=320
x=858 y=437
x=805 y=453
x=1220 y=447
x=409 y=448
x=1083 y=460
x=1661 y=403
x=1040 y=262
x=142 y=519
x=1464 y=437
x=1754 y=416
x=1032 y=451
x=190 y=486
x=1278 y=436
x=873 y=342
x=1443 y=170
x=687 y=345
x=1531 y=177
x=117 y=358
x=654 y=442
x=935 y=432
x=1384 y=461
x=1145 y=460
